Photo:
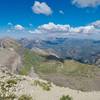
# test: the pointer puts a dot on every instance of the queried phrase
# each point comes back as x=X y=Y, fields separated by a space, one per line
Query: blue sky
x=30 y=15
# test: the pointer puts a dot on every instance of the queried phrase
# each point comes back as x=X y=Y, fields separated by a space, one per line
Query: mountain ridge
x=82 y=50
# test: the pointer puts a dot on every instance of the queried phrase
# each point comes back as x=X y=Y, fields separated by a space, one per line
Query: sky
x=50 y=18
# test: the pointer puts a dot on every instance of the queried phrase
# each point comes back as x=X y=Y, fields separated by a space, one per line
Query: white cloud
x=30 y=31
x=53 y=28
x=19 y=27
x=86 y=3
x=91 y=30
x=65 y=30
x=61 y=12
x=41 y=8
x=10 y=24
x=96 y=24
x=83 y=29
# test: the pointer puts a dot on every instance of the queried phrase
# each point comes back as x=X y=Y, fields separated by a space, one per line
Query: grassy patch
x=30 y=59
x=45 y=85
x=69 y=67
x=48 y=67
x=78 y=69
x=41 y=65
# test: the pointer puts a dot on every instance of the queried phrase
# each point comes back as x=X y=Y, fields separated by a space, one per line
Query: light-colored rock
x=26 y=86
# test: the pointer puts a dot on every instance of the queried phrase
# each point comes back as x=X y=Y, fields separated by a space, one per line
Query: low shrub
x=5 y=93
x=25 y=97
x=44 y=85
x=66 y=97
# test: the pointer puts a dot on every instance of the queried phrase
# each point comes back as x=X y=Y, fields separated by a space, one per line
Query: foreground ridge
x=18 y=86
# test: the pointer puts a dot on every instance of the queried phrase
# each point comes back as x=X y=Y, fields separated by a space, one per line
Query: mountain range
x=82 y=50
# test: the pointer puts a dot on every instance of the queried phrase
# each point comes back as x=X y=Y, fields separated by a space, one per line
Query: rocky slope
x=16 y=87
x=9 y=55
x=10 y=58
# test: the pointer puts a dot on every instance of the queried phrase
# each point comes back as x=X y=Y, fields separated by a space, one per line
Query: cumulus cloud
x=86 y=3
x=53 y=28
x=96 y=24
x=60 y=30
x=19 y=27
x=41 y=8
x=83 y=29
x=61 y=12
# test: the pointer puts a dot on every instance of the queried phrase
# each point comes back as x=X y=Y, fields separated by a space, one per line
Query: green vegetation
x=5 y=90
x=78 y=69
x=48 y=67
x=12 y=82
x=69 y=67
x=30 y=59
x=70 y=71
x=25 y=97
x=45 y=86
x=44 y=66
x=66 y=97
